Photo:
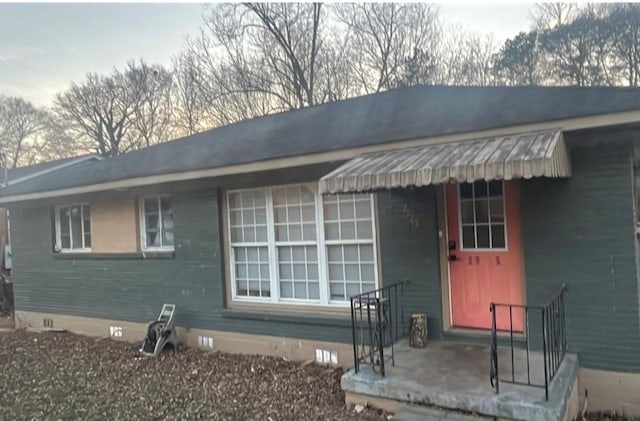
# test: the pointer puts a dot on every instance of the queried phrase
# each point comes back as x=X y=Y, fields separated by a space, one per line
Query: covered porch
x=501 y=352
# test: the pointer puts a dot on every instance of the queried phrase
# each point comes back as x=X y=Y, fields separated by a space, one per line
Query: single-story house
x=475 y=198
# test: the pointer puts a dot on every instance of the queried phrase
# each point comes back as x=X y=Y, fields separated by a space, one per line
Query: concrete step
x=425 y=413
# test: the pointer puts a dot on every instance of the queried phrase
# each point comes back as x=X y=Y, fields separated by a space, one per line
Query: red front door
x=485 y=253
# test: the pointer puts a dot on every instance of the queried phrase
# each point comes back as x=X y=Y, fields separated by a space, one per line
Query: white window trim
x=58 y=246
x=504 y=213
x=143 y=223
x=321 y=246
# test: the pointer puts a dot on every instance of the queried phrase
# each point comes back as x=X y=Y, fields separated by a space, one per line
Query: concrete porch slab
x=455 y=375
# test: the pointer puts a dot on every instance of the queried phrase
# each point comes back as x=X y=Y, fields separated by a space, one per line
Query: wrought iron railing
x=377 y=322
x=546 y=327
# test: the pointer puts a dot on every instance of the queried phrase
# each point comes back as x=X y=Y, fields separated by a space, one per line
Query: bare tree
x=391 y=44
x=57 y=142
x=547 y=16
x=117 y=113
x=578 y=52
x=190 y=109
x=623 y=24
x=256 y=58
x=21 y=123
x=520 y=60
x=153 y=111
x=467 y=58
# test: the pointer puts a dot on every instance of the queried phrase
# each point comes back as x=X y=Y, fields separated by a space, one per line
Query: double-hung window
x=156 y=214
x=73 y=227
x=291 y=244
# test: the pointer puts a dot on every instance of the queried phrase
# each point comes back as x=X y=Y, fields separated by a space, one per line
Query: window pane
x=295 y=232
x=279 y=196
x=480 y=189
x=65 y=228
x=466 y=191
x=235 y=217
x=76 y=227
x=466 y=211
x=309 y=213
x=497 y=236
x=151 y=206
x=286 y=289
x=364 y=230
x=314 y=291
x=87 y=240
x=482 y=211
x=166 y=204
x=167 y=221
x=368 y=273
x=167 y=238
x=495 y=188
x=350 y=253
x=248 y=217
x=346 y=210
x=336 y=291
x=65 y=241
x=497 y=210
x=468 y=237
x=363 y=209
x=353 y=289
x=366 y=253
x=483 y=236
x=309 y=232
x=261 y=234
x=294 y=213
x=332 y=231
x=307 y=195
x=347 y=230
x=336 y=272
x=153 y=239
x=331 y=212
x=300 y=290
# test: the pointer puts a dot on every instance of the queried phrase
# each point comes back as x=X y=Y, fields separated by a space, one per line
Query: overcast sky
x=43 y=47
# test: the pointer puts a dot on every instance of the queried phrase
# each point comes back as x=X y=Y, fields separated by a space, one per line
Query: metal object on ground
x=418 y=330
x=161 y=332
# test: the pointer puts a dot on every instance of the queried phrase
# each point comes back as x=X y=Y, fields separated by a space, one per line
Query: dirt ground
x=604 y=416
x=51 y=376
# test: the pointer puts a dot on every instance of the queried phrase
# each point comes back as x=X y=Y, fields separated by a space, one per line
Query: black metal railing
x=545 y=330
x=377 y=322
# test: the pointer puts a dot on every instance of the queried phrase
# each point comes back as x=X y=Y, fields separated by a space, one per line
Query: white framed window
x=156 y=223
x=291 y=244
x=73 y=227
x=482 y=215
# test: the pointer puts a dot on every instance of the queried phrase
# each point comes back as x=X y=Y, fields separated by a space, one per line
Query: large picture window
x=291 y=244
x=73 y=228
x=156 y=215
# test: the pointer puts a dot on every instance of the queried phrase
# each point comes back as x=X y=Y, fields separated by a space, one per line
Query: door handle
x=452 y=258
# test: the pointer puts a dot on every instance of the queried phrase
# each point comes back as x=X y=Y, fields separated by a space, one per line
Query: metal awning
x=524 y=155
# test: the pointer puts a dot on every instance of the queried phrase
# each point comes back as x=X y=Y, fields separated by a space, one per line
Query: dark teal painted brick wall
x=580 y=231
x=134 y=290
x=408 y=226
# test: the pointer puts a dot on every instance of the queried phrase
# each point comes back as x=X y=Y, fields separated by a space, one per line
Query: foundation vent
x=115 y=331
x=48 y=323
x=324 y=356
x=205 y=341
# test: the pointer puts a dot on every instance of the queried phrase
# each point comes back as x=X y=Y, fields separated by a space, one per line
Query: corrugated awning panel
x=525 y=155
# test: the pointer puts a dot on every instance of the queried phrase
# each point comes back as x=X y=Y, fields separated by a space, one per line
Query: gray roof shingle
x=399 y=114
